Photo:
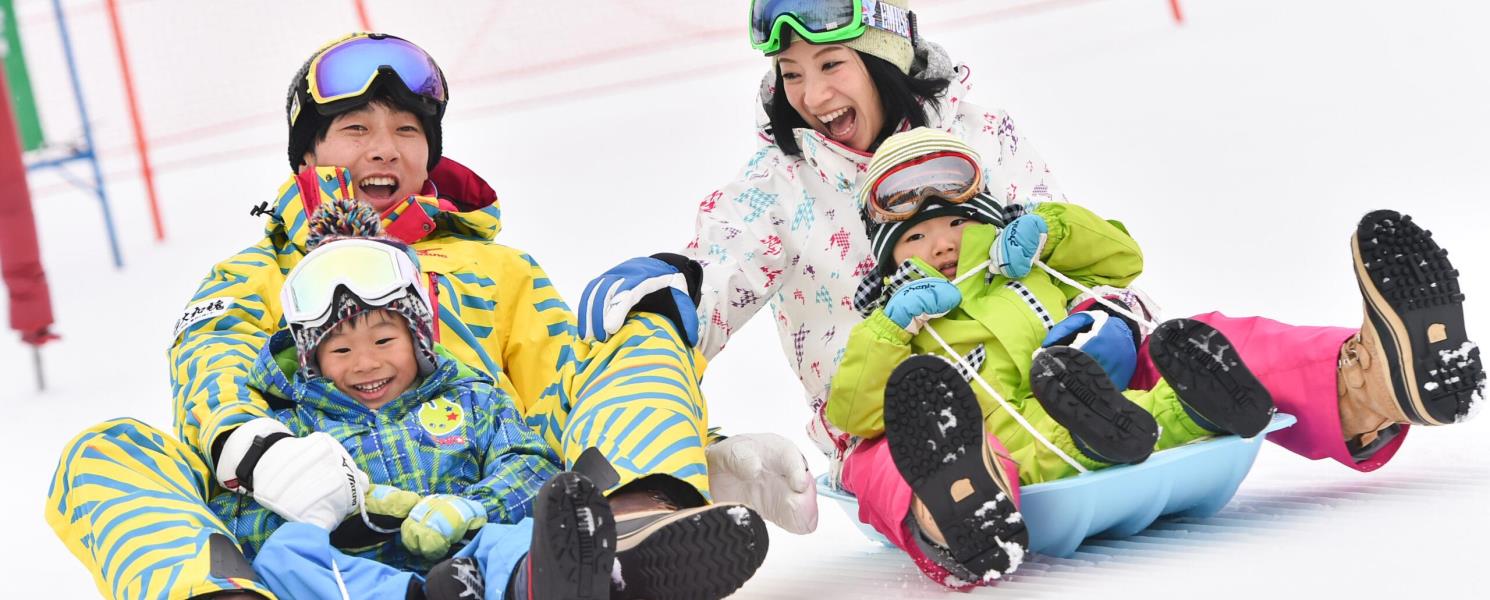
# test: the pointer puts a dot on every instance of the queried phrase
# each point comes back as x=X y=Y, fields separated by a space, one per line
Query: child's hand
x=1107 y=339
x=920 y=301
x=1018 y=246
x=439 y=521
x=309 y=479
x=387 y=507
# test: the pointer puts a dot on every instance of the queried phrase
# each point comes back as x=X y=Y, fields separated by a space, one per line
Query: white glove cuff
x=238 y=444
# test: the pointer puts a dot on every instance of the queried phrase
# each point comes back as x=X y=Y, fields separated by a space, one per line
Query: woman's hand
x=667 y=284
x=1107 y=339
x=768 y=473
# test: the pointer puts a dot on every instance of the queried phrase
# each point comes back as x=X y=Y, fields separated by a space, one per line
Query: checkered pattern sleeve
x=515 y=461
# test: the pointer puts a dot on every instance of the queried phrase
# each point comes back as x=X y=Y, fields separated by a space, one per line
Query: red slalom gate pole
x=22 y=278
x=134 y=118
x=362 y=20
x=1174 y=6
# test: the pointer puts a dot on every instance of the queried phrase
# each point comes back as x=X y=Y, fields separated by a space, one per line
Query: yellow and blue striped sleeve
x=231 y=316
x=542 y=343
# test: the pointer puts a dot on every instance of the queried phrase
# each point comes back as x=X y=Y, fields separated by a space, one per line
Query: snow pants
x=1037 y=464
x=885 y=498
x=131 y=503
x=636 y=398
x=298 y=561
x=1296 y=364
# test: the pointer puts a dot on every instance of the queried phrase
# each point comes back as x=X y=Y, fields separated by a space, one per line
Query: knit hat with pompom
x=343 y=219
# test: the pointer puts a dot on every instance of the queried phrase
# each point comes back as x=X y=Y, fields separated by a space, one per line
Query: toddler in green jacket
x=956 y=268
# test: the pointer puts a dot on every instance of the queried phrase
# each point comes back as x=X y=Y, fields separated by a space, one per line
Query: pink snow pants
x=885 y=497
x=1296 y=364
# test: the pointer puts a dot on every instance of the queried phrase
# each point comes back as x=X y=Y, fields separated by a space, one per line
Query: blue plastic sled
x=1195 y=480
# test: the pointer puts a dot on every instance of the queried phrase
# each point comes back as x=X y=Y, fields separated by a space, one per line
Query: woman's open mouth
x=840 y=124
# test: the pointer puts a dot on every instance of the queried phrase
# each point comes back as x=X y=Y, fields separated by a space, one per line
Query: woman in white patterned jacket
x=787 y=233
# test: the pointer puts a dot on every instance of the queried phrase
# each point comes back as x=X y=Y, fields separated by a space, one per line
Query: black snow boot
x=934 y=427
x=574 y=544
x=699 y=553
x=1215 y=387
x=1078 y=395
x=452 y=579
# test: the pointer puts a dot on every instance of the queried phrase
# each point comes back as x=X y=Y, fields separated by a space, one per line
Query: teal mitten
x=1018 y=246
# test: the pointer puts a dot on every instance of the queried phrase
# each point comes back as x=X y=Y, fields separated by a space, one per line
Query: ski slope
x=1239 y=149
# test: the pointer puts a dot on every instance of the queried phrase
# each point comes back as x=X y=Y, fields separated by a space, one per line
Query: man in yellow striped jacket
x=129 y=500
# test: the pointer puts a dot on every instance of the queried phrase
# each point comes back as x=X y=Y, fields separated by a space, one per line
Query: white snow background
x=1239 y=148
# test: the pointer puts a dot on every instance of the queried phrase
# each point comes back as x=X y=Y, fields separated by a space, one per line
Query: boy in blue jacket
x=449 y=459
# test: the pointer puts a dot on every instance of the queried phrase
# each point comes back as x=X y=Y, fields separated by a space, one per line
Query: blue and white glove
x=1107 y=339
x=1018 y=246
x=667 y=284
x=920 y=301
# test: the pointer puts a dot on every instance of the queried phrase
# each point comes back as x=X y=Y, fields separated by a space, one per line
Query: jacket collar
x=411 y=220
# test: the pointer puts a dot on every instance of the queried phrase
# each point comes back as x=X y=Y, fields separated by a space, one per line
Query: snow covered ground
x=1239 y=148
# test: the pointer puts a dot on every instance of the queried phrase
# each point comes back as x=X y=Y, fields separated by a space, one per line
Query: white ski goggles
x=377 y=273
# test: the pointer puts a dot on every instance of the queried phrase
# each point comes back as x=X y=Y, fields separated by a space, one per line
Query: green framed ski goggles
x=823 y=21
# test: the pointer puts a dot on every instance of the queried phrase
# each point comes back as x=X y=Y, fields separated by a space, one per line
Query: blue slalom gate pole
x=89 y=153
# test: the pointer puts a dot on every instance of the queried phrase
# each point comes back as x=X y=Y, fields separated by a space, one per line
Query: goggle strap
x=891 y=18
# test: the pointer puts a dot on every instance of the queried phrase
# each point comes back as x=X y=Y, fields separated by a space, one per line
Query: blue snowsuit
x=452 y=433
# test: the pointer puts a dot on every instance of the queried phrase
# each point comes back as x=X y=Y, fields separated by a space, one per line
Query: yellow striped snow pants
x=636 y=398
x=130 y=502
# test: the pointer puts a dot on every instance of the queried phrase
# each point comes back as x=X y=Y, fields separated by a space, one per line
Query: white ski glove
x=766 y=472
x=309 y=479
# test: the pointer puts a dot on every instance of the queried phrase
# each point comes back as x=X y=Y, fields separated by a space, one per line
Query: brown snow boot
x=1412 y=361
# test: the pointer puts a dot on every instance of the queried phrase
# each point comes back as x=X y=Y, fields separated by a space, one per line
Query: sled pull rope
x=1002 y=402
x=1120 y=309
x=361 y=496
x=341 y=585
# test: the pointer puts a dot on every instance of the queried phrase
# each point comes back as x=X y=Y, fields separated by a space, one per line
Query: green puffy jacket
x=1009 y=318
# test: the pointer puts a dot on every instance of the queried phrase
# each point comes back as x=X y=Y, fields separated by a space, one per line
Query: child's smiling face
x=936 y=240
x=370 y=357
